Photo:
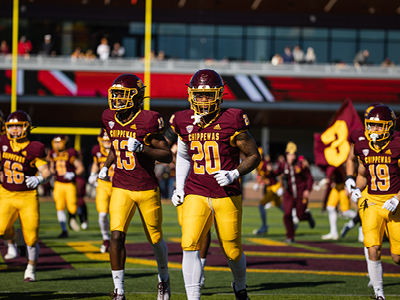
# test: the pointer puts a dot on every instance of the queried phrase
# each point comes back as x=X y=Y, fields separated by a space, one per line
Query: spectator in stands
x=361 y=58
x=103 y=50
x=47 y=46
x=4 y=48
x=277 y=60
x=118 y=51
x=287 y=55
x=24 y=46
x=161 y=55
x=310 y=57
x=89 y=55
x=298 y=55
x=77 y=54
x=387 y=63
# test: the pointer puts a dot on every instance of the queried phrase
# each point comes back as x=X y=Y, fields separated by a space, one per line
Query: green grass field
x=73 y=268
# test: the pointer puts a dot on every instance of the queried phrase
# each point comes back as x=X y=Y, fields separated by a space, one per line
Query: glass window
x=343 y=51
x=130 y=46
x=201 y=30
x=171 y=29
x=394 y=35
x=261 y=31
x=201 y=47
x=287 y=32
x=315 y=33
x=230 y=30
x=230 y=48
x=257 y=50
x=344 y=33
x=320 y=50
x=173 y=46
x=136 y=28
x=376 y=52
x=280 y=44
x=376 y=35
x=393 y=52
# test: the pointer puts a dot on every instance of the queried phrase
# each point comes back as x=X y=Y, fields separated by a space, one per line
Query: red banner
x=332 y=147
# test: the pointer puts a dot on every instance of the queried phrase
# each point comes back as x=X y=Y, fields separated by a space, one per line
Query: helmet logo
x=140 y=83
x=111 y=124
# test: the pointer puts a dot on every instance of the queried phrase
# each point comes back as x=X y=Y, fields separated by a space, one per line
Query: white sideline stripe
x=263 y=88
x=249 y=88
x=66 y=81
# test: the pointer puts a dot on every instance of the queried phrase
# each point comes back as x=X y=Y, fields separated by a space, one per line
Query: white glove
x=93 y=179
x=134 y=145
x=178 y=197
x=226 y=177
x=355 y=195
x=33 y=181
x=69 y=175
x=280 y=191
x=350 y=184
x=256 y=187
x=391 y=204
x=103 y=173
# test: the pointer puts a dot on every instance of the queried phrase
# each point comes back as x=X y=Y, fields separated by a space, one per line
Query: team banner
x=332 y=147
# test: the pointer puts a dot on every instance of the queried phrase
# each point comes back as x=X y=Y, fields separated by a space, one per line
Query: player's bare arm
x=248 y=146
x=351 y=162
x=110 y=160
x=45 y=172
x=159 y=149
x=361 y=181
x=79 y=168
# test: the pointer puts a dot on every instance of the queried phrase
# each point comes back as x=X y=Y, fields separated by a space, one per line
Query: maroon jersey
x=296 y=178
x=133 y=171
x=18 y=164
x=268 y=177
x=382 y=167
x=63 y=163
x=100 y=157
x=211 y=150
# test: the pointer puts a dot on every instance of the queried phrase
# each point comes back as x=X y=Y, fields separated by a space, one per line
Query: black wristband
x=349 y=176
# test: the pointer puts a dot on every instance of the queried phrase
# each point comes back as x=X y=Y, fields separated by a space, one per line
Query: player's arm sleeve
x=182 y=165
x=154 y=126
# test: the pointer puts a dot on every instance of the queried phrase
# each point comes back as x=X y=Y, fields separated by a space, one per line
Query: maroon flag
x=332 y=147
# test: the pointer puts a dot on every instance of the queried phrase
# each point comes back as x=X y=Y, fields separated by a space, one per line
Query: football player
x=272 y=190
x=103 y=186
x=21 y=159
x=207 y=172
x=379 y=171
x=65 y=164
x=298 y=182
x=136 y=143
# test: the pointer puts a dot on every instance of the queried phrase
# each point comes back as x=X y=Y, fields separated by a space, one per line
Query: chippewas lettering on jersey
x=204 y=136
x=122 y=134
x=378 y=160
x=13 y=157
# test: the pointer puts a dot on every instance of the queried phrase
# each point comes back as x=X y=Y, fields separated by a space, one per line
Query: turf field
x=73 y=268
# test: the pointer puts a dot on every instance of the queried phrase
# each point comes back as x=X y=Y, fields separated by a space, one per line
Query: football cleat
x=346 y=228
x=330 y=236
x=289 y=241
x=63 y=235
x=164 y=290
x=240 y=295
x=105 y=246
x=74 y=224
x=84 y=225
x=261 y=230
x=116 y=296
x=29 y=276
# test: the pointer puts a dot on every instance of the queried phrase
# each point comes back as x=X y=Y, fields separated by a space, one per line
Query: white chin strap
x=374 y=136
x=197 y=118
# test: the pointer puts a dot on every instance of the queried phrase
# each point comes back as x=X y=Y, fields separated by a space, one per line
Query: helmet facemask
x=377 y=130
x=122 y=98
x=17 y=130
x=59 y=143
x=205 y=100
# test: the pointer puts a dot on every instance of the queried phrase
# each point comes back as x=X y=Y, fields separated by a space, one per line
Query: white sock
x=30 y=268
x=332 y=215
x=62 y=219
x=239 y=272
x=33 y=252
x=360 y=234
x=349 y=214
x=376 y=276
x=12 y=249
x=191 y=269
x=160 y=251
x=104 y=226
x=118 y=278
x=350 y=224
x=203 y=263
